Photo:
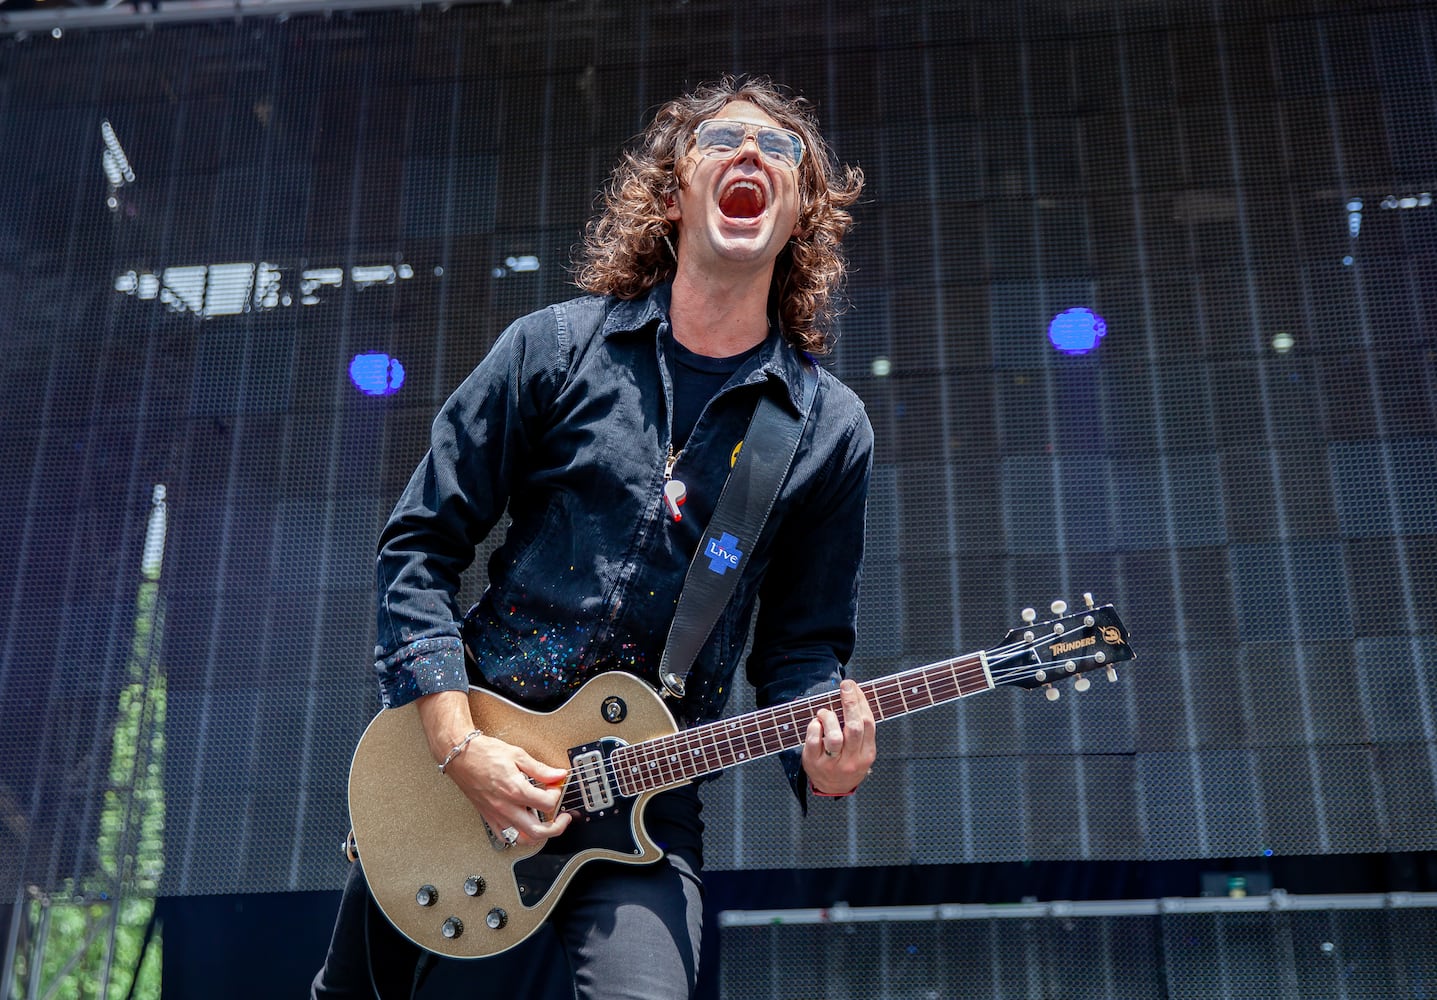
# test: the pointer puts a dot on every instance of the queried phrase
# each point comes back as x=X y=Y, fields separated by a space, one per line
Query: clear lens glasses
x=722 y=137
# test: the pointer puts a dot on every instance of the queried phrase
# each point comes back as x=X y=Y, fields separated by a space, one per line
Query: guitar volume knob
x=452 y=928
x=427 y=895
x=496 y=919
x=474 y=885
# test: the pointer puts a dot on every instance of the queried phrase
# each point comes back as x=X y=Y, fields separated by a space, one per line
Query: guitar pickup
x=589 y=771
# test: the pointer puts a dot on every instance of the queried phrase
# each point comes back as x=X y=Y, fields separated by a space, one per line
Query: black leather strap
x=743 y=507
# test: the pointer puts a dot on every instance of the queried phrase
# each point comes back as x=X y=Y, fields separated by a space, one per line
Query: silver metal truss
x=151 y=13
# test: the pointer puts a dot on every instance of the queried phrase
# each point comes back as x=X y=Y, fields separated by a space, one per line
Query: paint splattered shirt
x=565 y=426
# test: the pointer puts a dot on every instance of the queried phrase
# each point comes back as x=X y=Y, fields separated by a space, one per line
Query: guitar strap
x=743 y=507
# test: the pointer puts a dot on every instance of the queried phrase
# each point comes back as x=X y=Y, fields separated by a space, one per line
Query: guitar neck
x=715 y=746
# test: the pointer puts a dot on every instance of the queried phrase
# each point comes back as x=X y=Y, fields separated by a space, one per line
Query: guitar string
x=668 y=767
x=736 y=745
x=666 y=759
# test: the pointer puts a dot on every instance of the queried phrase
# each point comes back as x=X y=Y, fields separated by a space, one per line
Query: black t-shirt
x=696 y=379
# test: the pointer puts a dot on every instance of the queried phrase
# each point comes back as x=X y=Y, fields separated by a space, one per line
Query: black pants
x=621 y=931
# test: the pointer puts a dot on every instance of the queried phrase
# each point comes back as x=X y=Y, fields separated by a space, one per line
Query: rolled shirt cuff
x=425 y=666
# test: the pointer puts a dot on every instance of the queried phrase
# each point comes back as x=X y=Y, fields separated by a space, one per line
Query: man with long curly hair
x=606 y=428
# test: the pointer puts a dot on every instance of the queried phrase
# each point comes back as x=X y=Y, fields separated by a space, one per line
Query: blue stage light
x=376 y=374
x=1076 y=331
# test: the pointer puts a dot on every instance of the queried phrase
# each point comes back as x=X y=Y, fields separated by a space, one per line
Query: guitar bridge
x=593 y=780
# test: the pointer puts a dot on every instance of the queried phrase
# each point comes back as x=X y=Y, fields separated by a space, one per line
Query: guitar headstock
x=1039 y=654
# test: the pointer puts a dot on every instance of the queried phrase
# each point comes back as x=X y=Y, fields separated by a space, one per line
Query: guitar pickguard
x=607 y=827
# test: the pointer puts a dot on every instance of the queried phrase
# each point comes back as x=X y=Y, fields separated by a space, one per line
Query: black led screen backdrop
x=242 y=263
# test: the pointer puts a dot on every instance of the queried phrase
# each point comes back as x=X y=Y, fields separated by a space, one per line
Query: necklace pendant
x=674 y=495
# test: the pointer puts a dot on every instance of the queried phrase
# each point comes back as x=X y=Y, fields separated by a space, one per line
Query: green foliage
x=96 y=929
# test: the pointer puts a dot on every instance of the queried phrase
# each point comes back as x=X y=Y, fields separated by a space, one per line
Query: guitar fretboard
x=683 y=756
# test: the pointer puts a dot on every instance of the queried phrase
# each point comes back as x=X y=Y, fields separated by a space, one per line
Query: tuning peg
x=1051 y=693
x=1088 y=600
x=1029 y=615
x=1082 y=684
x=1112 y=675
x=1059 y=607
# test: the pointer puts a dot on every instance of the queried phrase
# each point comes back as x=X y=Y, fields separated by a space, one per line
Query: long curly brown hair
x=625 y=252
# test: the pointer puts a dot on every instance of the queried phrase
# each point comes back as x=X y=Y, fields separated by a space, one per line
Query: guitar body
x=418 y=835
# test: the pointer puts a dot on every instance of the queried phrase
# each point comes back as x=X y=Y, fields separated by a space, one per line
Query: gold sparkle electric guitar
x=449 y=885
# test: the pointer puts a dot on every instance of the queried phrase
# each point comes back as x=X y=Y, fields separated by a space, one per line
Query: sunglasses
x=721 y=137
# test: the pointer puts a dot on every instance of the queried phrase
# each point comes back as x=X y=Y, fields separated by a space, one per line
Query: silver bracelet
x=458 y=749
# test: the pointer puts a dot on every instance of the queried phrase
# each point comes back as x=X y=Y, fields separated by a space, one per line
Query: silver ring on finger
x=510 y=835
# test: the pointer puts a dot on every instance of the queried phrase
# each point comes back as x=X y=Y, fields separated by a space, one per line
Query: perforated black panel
x=1246 y=465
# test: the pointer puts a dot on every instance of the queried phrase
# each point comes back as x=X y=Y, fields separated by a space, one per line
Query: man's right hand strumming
x=511 y=790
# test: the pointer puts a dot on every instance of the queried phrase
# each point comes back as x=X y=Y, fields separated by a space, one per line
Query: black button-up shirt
x=566 y=425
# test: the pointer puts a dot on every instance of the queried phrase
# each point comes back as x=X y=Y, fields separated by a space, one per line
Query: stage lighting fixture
x=1076 y=331
x=376 y=374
